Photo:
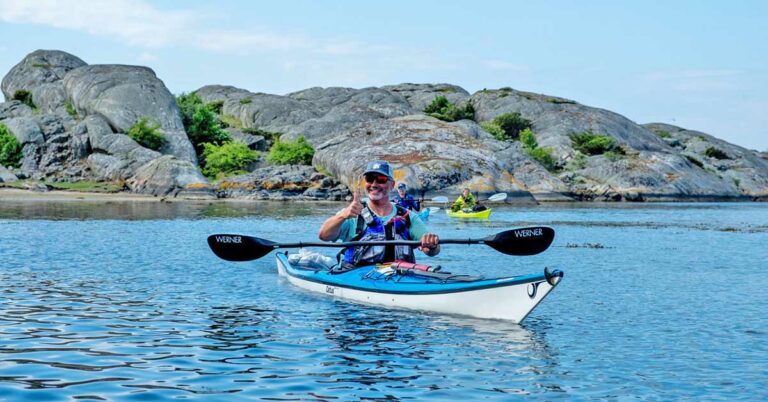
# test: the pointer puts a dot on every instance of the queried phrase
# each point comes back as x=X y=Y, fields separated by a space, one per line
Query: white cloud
x=138 y=23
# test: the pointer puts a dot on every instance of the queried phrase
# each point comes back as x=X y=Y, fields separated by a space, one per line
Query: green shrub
x=147 y=134
x=271 y=136
x=298 y=152
x=10 y=149
x=24 y=97
x=216 y=106
x=716 y=153
x=245 y=101
x=543 y=156
x=71 y=109
x=528 y=139
x=511 y=124
x=663 y=134
x=494 y=130
x=200 y=121
x=694 y=161
x=590 y=143
x=444 y=110
x=227 y=159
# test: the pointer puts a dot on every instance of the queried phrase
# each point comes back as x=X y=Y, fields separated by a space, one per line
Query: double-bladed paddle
x=494 y=198
x=523 y=241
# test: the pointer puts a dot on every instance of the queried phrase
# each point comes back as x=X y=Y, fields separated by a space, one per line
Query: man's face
x=466 y=193
x=401 y=191
x=377 y=186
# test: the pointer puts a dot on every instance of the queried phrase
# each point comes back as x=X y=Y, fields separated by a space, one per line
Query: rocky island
x=69 y=125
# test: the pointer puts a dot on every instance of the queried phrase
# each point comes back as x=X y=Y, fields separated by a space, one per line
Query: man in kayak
x=378 y=219
x=405 y=200
x=466 y=202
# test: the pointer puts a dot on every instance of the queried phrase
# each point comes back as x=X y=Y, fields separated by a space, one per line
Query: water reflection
x=148 y=209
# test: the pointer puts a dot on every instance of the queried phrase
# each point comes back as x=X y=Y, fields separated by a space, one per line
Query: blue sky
x=701 y=65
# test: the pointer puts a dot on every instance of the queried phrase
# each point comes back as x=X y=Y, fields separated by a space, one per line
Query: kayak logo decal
x=330 y=290
x=533 y=288
x=537 y=232
x=229 y=239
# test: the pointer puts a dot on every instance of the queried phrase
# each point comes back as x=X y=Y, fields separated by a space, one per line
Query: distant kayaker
x=405 y=200
x=378 y=219
x=467 y=202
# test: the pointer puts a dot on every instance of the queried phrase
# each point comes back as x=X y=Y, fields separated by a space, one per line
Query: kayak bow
x=484 y=214
x=510 y=298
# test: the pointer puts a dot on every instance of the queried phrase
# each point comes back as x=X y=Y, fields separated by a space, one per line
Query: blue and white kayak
x=424 y=214
x=511 y=298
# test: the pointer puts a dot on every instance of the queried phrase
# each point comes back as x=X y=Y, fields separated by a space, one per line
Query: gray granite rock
x=124 y=94
x=168 y=176
x=432 y=156
x=421 y=95
x=41 y=72
x=6 y=176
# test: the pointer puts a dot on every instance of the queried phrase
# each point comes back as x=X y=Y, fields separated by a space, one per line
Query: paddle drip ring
x=532 y=289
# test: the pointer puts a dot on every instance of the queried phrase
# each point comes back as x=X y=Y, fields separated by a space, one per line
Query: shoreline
x=21 y=195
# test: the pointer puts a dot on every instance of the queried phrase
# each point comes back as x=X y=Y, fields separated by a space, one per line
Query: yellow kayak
x=475 y=215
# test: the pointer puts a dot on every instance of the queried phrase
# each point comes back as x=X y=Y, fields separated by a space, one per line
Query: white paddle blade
x=498 y=197
x=432 y=210
x=441 y=198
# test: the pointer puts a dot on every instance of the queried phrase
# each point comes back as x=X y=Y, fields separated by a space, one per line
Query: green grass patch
x=590 y=143
x=245 y=101
x=298 y=152
x=227 y=159
x=716 y=153
x=663 y=134
x=10 y=149
x=147 y=134
x=71 y=110
x=229 y=120
x=578 y=161
x=444 y=110
x=271 y=136
x=25 y=97
x=694 y=161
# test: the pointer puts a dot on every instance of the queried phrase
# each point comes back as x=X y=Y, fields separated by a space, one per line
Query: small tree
x=227 y=159
x=147 y=134
x=10 y=149
x=200 y=121
x=298 y=152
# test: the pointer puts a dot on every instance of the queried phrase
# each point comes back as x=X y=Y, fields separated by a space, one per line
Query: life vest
x=395 y=229
x=407 y=202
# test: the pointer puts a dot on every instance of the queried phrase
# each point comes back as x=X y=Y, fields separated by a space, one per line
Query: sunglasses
x=378 y=178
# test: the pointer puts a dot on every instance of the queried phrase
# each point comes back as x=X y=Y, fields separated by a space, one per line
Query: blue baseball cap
x=402 y=186
x=381 y=167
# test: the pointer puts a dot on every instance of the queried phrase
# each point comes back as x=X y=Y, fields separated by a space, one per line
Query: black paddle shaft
x=523 y=241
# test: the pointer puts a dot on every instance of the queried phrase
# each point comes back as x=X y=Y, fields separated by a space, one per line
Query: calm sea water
x=124 y=301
